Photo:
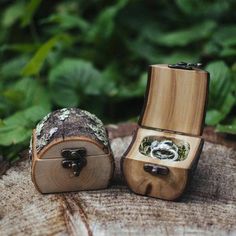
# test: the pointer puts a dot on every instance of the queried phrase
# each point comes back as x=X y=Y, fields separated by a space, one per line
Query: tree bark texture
x=69 y=122
x=207 y=208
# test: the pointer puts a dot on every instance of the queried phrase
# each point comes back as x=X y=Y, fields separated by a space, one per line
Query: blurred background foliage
x=94 y=55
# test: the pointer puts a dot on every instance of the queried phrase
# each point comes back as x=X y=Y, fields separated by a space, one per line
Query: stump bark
x=207 y=208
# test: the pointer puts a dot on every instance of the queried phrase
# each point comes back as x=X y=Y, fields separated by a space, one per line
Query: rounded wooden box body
x=74 y=131
x=174 y=109
x=168 y=185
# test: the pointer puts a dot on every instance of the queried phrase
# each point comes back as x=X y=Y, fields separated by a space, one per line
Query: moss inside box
x=164 y=149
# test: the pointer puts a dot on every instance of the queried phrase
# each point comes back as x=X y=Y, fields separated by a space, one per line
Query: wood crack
x=76 y=219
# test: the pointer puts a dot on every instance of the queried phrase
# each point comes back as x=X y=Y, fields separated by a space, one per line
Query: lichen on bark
x=69 y=122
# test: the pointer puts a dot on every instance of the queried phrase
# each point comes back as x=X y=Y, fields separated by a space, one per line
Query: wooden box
x=167 y=144
x=70 y=152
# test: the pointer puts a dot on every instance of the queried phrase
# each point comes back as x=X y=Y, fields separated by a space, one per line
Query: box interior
x=164 y=148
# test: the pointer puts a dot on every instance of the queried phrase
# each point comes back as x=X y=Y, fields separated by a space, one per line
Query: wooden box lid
x=175 y=99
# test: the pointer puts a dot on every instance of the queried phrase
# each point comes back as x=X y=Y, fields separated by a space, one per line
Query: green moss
x=183 y=148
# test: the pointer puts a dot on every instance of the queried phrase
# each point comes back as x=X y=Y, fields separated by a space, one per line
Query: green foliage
x=35 y=64
x=72 y=77
x=222 y=95
x=94 y=55
x=186 y=36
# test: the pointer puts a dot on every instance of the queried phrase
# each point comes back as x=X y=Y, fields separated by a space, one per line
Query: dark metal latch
x=185 y=65
x=74 y=159
x=155 y=170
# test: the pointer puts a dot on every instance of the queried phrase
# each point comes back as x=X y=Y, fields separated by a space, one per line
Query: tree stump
x=207 y=208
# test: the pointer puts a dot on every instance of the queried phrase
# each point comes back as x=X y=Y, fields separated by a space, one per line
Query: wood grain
x=49 y=176
x=170 y=186
x=207 y=208
x=70 y=128
x=175 y=100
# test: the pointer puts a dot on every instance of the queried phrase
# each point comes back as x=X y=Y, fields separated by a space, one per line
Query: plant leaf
x=186 y=36
x=66 y=21
x=227 y=128
x=11 y=135
x=12 y=14
x=18 y=127
x=11 y=68
x=71 y=80
x=30 y=10
x=201 y=8
x=105 y=22
x=220 y=83
x=35 y=94
x=35 y=64
x=214 y=117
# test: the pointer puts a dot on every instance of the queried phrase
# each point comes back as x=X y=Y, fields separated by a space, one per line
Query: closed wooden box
x=167 y=144
x=70 y=152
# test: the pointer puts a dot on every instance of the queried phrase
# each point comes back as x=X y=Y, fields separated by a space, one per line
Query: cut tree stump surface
x=207 y=208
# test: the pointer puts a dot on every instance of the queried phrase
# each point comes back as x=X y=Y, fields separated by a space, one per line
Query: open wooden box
x=173 y=116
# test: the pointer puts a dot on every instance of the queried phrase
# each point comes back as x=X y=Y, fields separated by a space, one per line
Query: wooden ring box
x=70 y=152
x=174 y=109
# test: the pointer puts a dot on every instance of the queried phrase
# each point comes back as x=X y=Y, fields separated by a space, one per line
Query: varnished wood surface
x=170 y=186
x=54 y=148
x=207 y=208
x=175 y=99
x=49 y=176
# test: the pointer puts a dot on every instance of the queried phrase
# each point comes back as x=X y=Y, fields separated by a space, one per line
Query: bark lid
x=69 y=123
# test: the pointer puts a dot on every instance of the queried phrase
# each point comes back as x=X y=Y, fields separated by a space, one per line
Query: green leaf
x=221 y=98
x=71 y=80
x=110 y=76
x=200 y=8
x=30 y=10
x=225 y=36
x=186 y=36
x=228 y=52
x=18 y=127
x=35 y=64
x=12 y=68
x=13 y=135
x=227 y=128
x=220 y=83
x=27 y=92
x=214 y=117
x=26 y=117
x=66 y=21
x=19 y=47
x=140 y=48
x=105 y=22
x=34 y=93
x=13 y=95
x=12 y=14
x=134 y=90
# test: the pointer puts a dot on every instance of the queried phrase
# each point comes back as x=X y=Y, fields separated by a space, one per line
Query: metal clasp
x=185 y=65
x=74 y=159
x=155 y=170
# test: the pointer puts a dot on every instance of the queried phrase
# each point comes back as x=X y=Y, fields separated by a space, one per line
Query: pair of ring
x=164 y=150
